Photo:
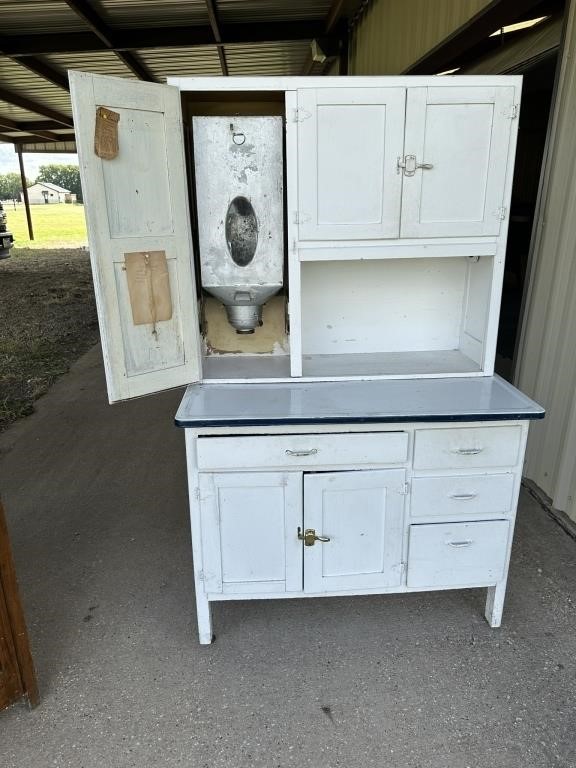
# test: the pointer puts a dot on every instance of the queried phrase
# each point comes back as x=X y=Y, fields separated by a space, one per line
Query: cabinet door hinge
x=501 y=213
x=512 y=113
x=404 y=489
x=197 y=494
x=299 y=115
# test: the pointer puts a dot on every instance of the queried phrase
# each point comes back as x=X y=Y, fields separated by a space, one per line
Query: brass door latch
x=309 y=537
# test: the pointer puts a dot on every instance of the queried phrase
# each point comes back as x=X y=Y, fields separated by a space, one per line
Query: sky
x=32 y=160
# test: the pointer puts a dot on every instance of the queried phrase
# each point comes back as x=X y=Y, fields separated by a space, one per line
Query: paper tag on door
x=148 y=286
x=106 y=133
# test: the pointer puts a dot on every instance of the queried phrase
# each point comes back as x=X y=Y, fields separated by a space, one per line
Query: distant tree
x=66 y=176
x=11 y=186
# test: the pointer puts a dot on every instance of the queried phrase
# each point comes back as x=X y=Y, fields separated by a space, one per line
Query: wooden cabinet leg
x=495 y=604
x=204 y=613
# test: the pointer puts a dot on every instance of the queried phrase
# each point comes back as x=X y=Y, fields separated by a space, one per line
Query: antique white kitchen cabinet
x=321 y=259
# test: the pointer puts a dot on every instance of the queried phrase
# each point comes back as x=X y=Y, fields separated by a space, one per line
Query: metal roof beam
x=91 y=19
x=32 y=106
x=44 y=70
x=41 y=125
x=214 y=24
x=341 y=11
x=105 y=34
x=334 y=14
x=161 y=37
x=33 y=139
x=37 y=66
x=11 y=125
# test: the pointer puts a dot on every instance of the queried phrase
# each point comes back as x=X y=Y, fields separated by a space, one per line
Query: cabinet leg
x=204 y=613
x=495 y=604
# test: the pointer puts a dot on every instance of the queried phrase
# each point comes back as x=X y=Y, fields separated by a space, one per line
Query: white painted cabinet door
x=464 y=135
x=362 y=514
x=138 y=203
x=349 y=140
x=250 y=526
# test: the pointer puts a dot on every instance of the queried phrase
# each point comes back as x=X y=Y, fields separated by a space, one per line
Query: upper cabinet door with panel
x=349 y=140
x=137 y=203
x=457 y=145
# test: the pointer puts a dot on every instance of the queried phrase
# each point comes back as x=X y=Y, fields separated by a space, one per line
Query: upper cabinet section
x=460 y=140
x=349 y=140
x=415 y=162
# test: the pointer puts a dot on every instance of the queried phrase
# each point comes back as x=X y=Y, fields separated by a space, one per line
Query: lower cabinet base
x=493 y=609
x=395 y=509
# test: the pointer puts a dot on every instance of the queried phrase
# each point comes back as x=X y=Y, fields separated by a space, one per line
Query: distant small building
x=46 y=193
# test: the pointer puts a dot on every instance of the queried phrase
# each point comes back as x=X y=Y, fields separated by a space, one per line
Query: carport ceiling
x=148 y=40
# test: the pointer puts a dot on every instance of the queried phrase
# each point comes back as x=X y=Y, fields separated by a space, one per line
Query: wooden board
x=17 y=675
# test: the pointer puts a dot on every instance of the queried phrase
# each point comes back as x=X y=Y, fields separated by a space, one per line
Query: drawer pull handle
x=464 y=496
x=309 y=452
x=468 y=451
x=465 y=543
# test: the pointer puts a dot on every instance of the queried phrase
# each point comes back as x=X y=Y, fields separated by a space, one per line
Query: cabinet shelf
x=266 y=368
x=436 y=362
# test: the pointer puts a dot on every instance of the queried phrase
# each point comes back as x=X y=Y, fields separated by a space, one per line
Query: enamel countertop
x=487 y=398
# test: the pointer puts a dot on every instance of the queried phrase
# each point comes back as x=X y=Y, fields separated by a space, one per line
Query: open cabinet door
x=139 y=233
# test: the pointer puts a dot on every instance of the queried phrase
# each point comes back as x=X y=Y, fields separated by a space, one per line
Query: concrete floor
x=96 y=501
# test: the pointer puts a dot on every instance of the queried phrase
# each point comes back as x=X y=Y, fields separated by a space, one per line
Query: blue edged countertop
x=479 y=398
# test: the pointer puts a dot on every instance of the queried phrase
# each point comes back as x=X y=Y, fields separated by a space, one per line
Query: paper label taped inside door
x=148 y=286
x=106 y=133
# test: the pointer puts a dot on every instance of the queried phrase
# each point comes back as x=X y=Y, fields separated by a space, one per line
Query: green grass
x=55 y=226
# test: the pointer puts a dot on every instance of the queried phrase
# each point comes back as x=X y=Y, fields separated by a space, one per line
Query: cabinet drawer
x=285 y=451
x=462 y=495
x=467 y=447
x=457 y=554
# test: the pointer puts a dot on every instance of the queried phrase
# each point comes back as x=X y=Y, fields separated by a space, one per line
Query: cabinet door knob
x=309 y=537
x=309 y=452
x=409 y=165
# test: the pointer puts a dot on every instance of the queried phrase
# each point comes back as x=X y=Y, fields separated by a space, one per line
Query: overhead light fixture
x=448 y=71
x=518 y=26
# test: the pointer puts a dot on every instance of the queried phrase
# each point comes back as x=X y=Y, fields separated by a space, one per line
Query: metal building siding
x=393 y=34
x=546 y=366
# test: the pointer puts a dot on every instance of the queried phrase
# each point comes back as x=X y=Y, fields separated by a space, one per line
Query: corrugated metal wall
x=392 y=34
x=546 y=367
